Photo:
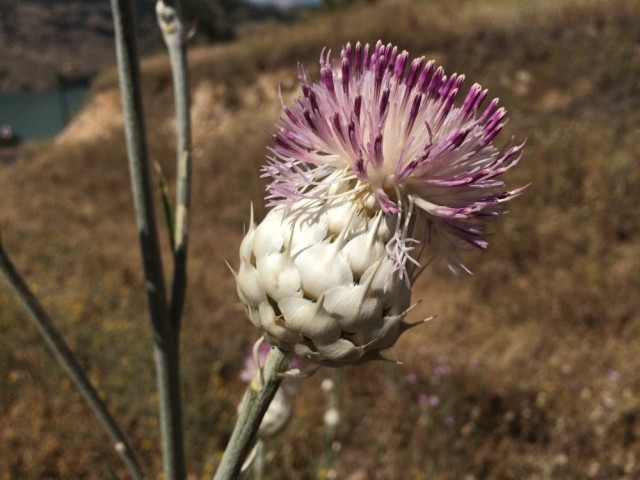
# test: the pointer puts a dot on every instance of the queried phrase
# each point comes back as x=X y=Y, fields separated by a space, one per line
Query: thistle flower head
x=386 y=133
x=372 y=161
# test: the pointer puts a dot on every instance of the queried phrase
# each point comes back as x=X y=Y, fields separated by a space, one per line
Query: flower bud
x=277 y=415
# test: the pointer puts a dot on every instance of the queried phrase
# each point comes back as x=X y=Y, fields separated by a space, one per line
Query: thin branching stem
x=65 y=357
x=165 y=337
x=252 y=409
x=174 y=37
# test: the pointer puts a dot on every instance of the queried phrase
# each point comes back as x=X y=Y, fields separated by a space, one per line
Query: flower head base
x=369 y=163
x=321 y=285
x=378 y=130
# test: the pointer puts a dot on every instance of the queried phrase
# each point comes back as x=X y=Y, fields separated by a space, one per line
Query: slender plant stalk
x=69 y=362
x=165 y=336
x=173 y=34
x=252 y=409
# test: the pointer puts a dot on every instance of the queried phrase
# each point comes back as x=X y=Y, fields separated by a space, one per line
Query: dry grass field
x=530 y=370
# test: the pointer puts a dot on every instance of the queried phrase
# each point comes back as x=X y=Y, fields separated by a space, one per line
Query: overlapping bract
x=322 y=286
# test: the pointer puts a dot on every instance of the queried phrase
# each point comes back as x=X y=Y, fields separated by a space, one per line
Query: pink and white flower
x=377 y=128
x=374 y=164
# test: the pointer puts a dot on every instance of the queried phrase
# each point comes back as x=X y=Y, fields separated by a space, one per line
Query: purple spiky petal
x=381 y=126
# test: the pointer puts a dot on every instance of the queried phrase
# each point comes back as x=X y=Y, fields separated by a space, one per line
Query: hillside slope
x=48 y=41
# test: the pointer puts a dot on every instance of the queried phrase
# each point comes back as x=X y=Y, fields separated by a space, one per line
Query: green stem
x=252 y=409
x=173 y=34
x=165 y=336
x=69 y=363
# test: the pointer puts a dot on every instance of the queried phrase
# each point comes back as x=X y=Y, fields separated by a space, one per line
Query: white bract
x=321 y=284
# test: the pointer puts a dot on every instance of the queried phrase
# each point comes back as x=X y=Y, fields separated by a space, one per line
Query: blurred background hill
x=530 y=369
x=48 y=41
